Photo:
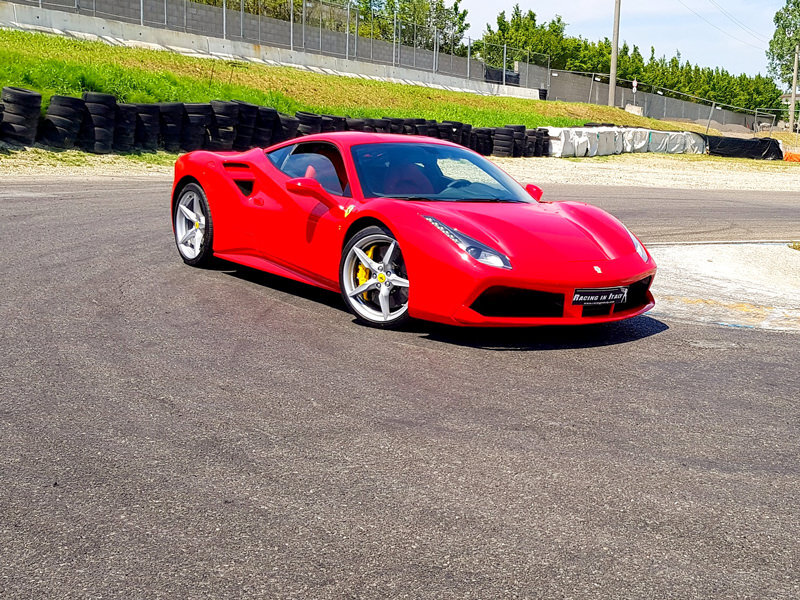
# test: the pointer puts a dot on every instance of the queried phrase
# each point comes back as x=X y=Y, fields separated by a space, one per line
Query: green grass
x=58 y=65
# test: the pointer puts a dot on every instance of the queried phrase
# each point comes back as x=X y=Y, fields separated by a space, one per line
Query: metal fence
x=355 y=31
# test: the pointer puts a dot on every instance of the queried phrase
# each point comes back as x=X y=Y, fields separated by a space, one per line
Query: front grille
x=596 y=310
x=501 y=301
x=637 y=295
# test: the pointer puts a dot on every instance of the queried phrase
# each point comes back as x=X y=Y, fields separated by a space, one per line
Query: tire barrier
x=758 y=148
x=598 y=139
x=245 y=126
x=148 y=126
x=22 y=109
x=125 y=127
x=98 y=124
x=97 y=131
x=222 y=128
x=62 y=122
x=196 y=119
x=288 y=129
x=308 y=123
x=170 y=125
x=503 y=142
x=267 y=123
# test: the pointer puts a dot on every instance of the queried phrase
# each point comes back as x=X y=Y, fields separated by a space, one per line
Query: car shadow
x=500 y=339
x=551 y=337
x=281 y=284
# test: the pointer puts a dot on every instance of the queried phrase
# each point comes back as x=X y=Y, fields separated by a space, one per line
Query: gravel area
x=657 y=170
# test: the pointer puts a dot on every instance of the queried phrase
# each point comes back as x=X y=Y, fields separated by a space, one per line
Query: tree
x=782 y=44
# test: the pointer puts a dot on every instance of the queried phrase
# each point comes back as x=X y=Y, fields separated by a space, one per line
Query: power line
x=741 y=25
x=697 y=14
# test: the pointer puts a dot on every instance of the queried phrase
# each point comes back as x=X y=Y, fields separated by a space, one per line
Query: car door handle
x=258 y=201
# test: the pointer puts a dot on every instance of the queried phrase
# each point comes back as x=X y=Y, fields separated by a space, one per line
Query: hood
x=561 y=232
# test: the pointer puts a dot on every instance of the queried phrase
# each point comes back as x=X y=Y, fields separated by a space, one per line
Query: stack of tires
x=62 y=122
x=334 y=122
x=20 y=119
x=288 y=128
x=125 y=127
x=481 y=140
x=98 y=124
x=170 y=124
x=503 y=142
x=222 y=129
x=148 y=126
x=245 y=126
x=355 y=124
x=309 y=123
x=267 y=124
x=196 y=119
x=97 y=131
x=519 y=139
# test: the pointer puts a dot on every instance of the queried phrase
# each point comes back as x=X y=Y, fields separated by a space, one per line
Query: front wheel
x=193 y=226
x=373 y=278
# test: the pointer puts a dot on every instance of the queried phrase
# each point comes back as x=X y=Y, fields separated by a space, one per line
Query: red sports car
x=407 y=226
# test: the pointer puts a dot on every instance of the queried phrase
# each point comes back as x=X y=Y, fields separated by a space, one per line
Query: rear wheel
x=194 y=229
x=373 y=278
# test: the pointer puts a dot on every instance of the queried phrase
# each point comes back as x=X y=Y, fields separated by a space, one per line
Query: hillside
x=59 y=65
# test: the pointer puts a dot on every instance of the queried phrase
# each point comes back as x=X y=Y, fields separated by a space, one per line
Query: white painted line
x=719 y=243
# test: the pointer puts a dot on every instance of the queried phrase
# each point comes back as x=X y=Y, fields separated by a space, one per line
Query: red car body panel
x=553 y=247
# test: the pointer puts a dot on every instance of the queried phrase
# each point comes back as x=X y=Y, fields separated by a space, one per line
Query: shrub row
x=98 y=123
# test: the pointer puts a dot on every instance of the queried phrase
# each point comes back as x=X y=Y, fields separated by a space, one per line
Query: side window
x=319 y=161
x=278 y=157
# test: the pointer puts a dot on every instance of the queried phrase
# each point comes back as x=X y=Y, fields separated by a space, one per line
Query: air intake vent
x=516 y=302
x=245 y=186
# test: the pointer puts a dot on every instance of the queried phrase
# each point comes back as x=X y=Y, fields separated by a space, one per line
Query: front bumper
x=482 y=296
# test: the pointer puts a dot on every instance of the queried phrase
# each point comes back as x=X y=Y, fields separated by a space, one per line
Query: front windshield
x=420 y=171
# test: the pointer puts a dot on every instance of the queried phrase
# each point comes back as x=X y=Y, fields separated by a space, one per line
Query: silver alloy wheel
x=383 y=296
x=190 y=224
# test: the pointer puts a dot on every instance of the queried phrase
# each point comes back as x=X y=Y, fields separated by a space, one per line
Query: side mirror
x=306 y=186
x=535 y=192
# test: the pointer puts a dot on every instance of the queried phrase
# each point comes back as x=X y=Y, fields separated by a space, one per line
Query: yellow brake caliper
x=362 y=275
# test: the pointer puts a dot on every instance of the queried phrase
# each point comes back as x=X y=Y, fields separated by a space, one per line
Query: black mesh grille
x=637 y=295
x=596 y=310
x=516 y=302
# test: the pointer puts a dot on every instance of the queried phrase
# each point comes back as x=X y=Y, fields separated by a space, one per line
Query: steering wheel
x=457 y=183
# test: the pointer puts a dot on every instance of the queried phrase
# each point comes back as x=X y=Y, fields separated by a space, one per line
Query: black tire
x=205 y=256
x=66 y=102
x=27 y=112
x=366 y=306
x=21 y=97
x=18 y=134
x=99 y=98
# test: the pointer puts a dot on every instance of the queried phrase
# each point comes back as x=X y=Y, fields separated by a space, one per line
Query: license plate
x=600 y=296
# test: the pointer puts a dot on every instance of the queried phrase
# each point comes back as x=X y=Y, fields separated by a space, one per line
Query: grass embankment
x=58 y=65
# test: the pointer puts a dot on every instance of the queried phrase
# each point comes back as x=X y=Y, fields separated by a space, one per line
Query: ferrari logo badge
x=381 y=277
x=598 y=269
x=348 y=210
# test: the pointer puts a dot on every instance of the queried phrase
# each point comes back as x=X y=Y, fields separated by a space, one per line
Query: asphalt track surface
x=170 y=432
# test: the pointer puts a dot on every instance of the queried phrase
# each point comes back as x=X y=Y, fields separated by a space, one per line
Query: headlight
x=480 y=252
x=638 y=245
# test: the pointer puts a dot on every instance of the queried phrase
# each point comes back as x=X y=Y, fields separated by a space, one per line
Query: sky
x=700 y=29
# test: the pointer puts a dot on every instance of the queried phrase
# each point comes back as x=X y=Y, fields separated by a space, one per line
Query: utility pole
x=612 y=82
x=794 y=89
